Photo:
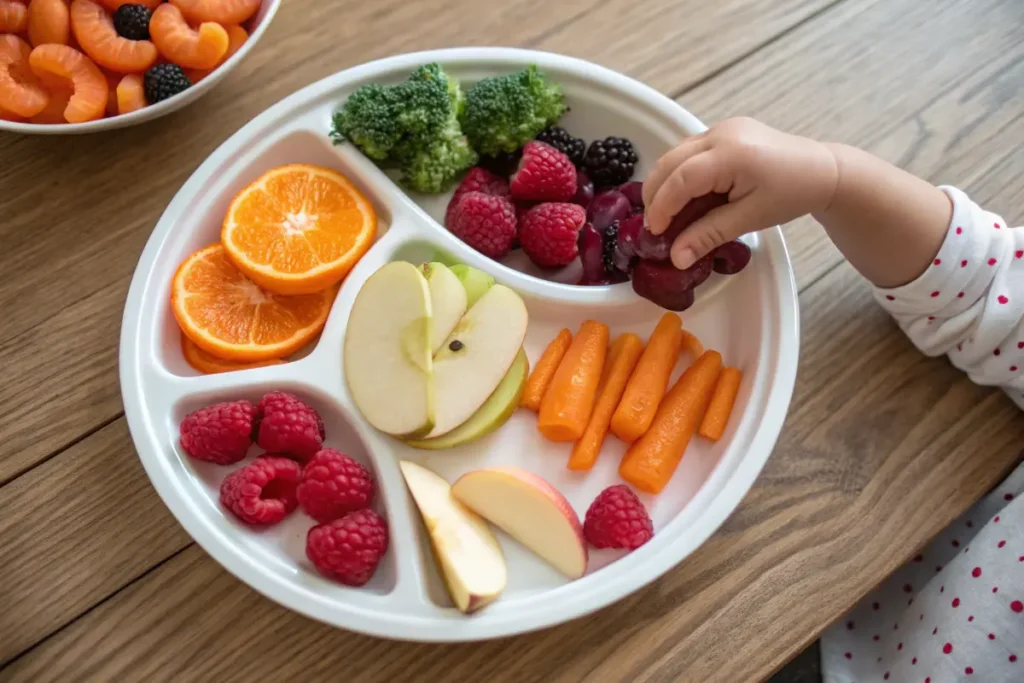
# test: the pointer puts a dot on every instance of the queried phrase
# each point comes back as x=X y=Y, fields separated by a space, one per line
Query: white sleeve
x=969 y=304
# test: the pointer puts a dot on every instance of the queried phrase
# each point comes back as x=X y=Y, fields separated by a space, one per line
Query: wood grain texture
x=82 y=207
x=880 y=451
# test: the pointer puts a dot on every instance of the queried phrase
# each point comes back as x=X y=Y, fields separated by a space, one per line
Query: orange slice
x=211 y=365
x=95 y=32
x=201 y=48
x=221 y=11
x=13 y=16
x=21 y=92
x=48 y=22
x=298 y=228
x=53 y=61
x=236 y=39
x=112 y=5
x=130 y=94
x=229 y=316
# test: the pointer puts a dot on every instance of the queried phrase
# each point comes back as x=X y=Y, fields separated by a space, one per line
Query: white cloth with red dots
x=956 y=611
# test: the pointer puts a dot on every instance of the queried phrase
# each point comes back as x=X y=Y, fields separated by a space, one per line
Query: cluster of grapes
x=615 y=247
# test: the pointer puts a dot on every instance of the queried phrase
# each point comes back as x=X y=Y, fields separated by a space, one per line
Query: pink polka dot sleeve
x=969 y=304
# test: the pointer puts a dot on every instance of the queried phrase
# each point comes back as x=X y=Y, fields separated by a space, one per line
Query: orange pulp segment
x=21 y=92
x=228 y=315
x=49 y=21
x=90 y=85
x=112 y=5
x=13 y=16
x=236 y=39
x=53 y=112
x=130 y=94
x=184 y=45
x=210 y=364
x=221 y=11
x=95 y=32
x=298 y=228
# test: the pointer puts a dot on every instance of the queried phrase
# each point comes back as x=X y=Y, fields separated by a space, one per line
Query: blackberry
x=611 y=235
x=132 y=22
x=164 y=81
x=610 y=161
x=559 y=138
x=502 y=164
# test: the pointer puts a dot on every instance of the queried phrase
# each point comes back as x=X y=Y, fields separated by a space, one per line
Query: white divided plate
x=751 y=318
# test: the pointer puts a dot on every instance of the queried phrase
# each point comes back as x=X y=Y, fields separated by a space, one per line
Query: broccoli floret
x=503 y=113
x=433 y=168
x=434 y=72
x=368 y=120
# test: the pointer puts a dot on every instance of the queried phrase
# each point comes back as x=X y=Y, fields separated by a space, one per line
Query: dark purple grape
x=607 y=208
x=634 y=191
x=652 y=247
x=731 y=257
x=659 y=247
x=591 y=246
x=629 y=230
x=584 y=190
x=666 y=285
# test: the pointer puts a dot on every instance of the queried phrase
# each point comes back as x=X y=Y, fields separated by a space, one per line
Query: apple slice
x=529 y=510
x=447 y=300
x=387 y=352
x=475 y=357
x=464 y=547
x=495 y=411
x=476 y=282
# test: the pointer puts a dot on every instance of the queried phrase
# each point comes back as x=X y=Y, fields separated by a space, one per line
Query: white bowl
x=751 y=318
x=257 y=26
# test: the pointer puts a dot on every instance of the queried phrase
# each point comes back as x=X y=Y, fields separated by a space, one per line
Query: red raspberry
x=478 y=179
x=485 y=222
x=287 y=425
x=221 y=433
x=617 y=519
x=348 y=549
x=548 y=233
x=544 y=174
x=262 y=492
x=333 y=484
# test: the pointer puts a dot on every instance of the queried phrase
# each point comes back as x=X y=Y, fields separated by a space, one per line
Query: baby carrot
x=713 y=425
x=541 y=376
x=646 y=386
x=650 y=462
x=569 y=400
x=622 y=357
x=692 y=345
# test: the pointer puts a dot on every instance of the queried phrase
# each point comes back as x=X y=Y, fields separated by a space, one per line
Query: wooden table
x=882 y=447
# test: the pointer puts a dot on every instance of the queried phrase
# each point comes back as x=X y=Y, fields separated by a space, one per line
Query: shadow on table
x=805 y=668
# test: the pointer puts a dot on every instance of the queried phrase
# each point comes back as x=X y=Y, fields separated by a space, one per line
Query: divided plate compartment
x=749 y=317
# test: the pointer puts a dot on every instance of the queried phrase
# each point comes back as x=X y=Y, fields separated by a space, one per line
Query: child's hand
x=771 y=178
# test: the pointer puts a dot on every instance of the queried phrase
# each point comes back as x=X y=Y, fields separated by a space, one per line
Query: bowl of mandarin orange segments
x=80 y=66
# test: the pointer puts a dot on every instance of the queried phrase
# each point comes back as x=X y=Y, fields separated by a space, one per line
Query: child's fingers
x=714 y=229
x=695 y=177
x=670 y=161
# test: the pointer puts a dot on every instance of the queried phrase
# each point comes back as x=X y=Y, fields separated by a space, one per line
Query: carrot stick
x=622 y=358
x=569 y=400
x=692 y=345
x=717 y=417
x=541 y=376
x=650 y=462
x=647 y=385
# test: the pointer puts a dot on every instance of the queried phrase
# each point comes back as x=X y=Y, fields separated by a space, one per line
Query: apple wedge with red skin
x=531 y=511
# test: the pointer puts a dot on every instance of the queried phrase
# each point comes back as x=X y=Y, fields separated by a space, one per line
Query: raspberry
x=221 y=433
x=262 y=492
x=560 y=139
x=333 y=484
x=285 y=424
x=617 y=519
x=478 y=179
x=544 y=174
x=610 y=161
x=548 y=233
x=485 y=222
x=348 y=549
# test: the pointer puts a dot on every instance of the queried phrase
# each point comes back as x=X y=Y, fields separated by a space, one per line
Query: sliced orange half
x=298 y=229
x=209 y=364
x=228 y=315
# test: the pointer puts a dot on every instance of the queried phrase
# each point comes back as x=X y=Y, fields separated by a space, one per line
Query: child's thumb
x=718 y=226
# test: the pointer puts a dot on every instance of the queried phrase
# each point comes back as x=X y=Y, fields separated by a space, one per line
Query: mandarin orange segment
x=10 y=116
x=49 y=21
x=226 y=314
x=131 y=95
x=90 y=85
x=113 y=80
x=185 y=46
x=112 y=5
x=21 y=92
x=236 y=39
x=53 y=112
x=299 y=228
x=220 y=11
x=13 y=16
x=209 y=364
x=94 y=29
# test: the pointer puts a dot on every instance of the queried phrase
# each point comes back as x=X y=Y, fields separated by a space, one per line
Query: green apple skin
x=448 y=300
x=495 y=412
x=476 y=282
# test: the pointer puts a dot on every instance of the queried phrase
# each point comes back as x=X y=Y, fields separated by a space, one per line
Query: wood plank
x=75 y=227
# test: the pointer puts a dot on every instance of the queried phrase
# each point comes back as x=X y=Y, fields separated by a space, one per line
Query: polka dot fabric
x=969 y=303
x=954 y=613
